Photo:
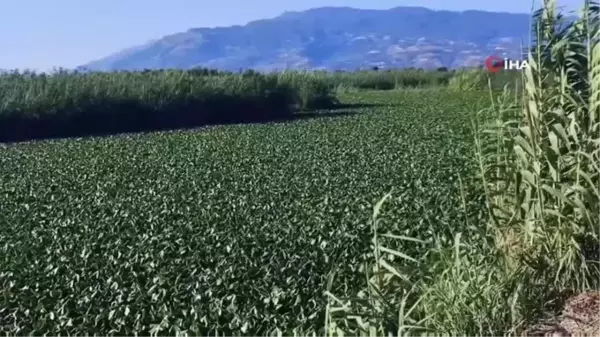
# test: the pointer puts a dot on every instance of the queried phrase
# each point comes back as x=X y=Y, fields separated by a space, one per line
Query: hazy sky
x=41 y=34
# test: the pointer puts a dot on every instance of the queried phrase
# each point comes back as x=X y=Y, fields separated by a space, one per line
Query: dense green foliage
x=65 y=104
x=75 y=104
x=374 y=79
x=234 y=228
x=280 y=228
x=386 y=79
x=538 y=149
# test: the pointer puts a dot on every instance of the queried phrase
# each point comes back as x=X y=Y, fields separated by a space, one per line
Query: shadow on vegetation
x=344 y=106
x=65 y=104
x=318 y=114
x=132 y=117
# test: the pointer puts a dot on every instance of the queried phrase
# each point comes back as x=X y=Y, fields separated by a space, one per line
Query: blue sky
x=41 y=34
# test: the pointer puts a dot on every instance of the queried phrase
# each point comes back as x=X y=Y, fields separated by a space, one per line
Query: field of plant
x=447 y=211
x=234 y=228
x=66 y=104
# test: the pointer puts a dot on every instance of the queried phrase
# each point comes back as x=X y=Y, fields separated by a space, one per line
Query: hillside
x=335 y=38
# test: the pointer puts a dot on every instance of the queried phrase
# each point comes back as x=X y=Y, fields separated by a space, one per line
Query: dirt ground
x=580 y=317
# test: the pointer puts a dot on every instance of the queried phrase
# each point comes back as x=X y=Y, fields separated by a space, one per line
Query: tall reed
x=78 y=104
x=538 y=153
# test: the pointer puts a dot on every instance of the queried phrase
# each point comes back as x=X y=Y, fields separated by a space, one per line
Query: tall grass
x=385 y=79
x=543 y=175
x=467 y=79
x=475 y=79
x=70 y=104
x=538 y=156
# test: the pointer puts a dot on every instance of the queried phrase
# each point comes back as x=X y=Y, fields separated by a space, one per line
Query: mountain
x=336 y=38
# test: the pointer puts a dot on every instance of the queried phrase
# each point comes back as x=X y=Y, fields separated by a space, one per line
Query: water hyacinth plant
x=538 y=152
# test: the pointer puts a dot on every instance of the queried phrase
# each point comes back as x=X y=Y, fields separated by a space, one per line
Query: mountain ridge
x=335 y=38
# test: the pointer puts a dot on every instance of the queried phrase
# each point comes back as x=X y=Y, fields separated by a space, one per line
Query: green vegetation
x=66 y=104
x=467 y=80
x=385 y=79
x=488 y=219
x=234 y=227
x=538 y=154
x=77 y=104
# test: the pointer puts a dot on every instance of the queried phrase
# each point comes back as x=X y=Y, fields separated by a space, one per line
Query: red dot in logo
x=494 y=64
